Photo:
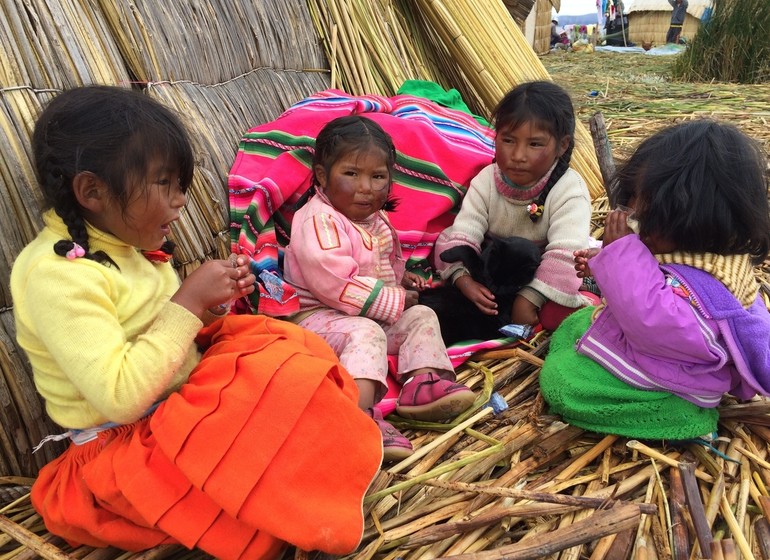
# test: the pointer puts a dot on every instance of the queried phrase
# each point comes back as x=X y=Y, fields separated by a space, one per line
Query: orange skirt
x=264 y=445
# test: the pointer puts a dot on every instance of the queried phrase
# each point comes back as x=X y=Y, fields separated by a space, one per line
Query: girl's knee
x=420 y=314
x=368 y=330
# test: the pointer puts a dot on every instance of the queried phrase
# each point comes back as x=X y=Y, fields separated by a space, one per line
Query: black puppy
x=504 y=266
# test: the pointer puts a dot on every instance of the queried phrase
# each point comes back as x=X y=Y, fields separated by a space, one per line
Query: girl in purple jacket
x=682 y=321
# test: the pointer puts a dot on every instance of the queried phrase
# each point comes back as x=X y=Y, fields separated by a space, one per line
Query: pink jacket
x=335 y=263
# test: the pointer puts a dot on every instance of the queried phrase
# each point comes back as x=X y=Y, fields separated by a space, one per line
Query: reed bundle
x=18 y=205
x=520 y=10
x=217 y=63
x=56 y=44
x=212 y=42
x=370 y=46
x=478 y=41
x=732 y=46
x=23 y=420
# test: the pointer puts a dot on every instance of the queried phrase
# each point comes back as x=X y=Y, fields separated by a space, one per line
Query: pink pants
x=363 y=345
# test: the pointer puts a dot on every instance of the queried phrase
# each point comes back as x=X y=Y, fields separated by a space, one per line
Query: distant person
x=616 y=30
x=677 y=20
x=559 y=39
x=555 y=35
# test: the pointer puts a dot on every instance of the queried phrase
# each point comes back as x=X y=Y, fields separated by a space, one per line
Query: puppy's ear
x=464 y=254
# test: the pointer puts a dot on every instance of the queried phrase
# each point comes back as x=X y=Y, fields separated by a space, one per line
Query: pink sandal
x=431 y=398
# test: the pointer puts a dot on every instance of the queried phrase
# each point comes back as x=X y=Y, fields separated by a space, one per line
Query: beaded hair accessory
x=535 y=210
x=76 y=252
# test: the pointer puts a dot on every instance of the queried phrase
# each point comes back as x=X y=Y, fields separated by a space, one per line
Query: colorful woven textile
x=440 y=150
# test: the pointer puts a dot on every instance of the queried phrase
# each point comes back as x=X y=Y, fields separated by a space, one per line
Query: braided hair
x=344 y=135
x=550 y=107
x=111 y=132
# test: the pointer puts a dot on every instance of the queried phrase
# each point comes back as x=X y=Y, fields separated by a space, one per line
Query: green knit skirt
x=586 y=395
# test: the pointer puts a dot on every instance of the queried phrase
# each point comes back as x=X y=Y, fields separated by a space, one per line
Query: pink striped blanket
x=439 y=151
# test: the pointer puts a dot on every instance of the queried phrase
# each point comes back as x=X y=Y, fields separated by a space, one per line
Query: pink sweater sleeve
x=325 y=257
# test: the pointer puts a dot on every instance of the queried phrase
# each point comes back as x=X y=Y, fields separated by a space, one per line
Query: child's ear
x=90 y=191
x=320 y=175
x=564 y=144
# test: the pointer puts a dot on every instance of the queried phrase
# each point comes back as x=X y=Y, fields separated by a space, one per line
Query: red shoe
x=430 y=398
x=395 y=446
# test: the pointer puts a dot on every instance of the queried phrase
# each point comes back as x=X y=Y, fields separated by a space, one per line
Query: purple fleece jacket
x=651 y=337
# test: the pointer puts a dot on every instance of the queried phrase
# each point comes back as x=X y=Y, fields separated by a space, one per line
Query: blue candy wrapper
x=516 y=331
x=272 y=284
x=498 y=403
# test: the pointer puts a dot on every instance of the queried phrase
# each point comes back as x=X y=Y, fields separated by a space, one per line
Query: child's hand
x=412 y=298
x=412 y=281
x=581 y=261
x=478 y=293
x=615 y=226
x=524 y=312
x=215 y=283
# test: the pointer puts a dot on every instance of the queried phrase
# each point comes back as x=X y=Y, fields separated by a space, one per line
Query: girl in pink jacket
x=344 y=259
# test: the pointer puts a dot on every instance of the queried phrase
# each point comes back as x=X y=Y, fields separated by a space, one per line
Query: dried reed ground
x=637 y=96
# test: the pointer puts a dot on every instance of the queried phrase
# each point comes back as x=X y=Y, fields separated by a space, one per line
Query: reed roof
x=695 y=8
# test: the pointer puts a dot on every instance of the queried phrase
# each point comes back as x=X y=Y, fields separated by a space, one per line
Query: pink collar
x=511 y=190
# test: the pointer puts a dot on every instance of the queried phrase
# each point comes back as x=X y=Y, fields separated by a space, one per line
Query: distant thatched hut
x=648 y=20
x=534 y=19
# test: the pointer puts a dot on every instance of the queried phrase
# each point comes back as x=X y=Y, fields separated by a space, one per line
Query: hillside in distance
x=586 y=19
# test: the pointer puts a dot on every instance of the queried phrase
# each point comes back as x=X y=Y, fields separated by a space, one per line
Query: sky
x=577 y=7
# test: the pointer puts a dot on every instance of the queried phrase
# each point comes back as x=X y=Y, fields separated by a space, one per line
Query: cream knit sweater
x=563 y=228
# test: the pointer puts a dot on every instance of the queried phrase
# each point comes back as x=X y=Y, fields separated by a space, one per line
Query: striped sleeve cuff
x=387 y=306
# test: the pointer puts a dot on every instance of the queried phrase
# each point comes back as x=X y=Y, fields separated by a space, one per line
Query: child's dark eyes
x=171 y=182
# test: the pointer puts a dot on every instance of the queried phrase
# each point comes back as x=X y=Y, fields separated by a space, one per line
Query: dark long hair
x=550 y=107
x=114 y=133
x=702 y=186
x=343 y=135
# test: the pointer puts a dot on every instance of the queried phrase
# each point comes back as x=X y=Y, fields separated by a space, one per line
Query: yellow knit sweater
x=104 y=342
